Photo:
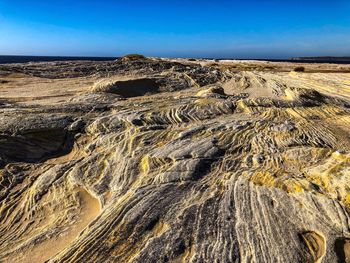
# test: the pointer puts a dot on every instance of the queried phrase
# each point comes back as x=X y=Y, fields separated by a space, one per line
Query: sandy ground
x=254 y=78
x=89 y=210
x=33 y=90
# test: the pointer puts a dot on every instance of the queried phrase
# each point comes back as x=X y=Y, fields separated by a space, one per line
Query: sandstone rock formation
x=173 y=161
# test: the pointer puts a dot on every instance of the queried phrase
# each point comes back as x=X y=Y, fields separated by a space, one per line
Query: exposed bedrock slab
x=199 y=163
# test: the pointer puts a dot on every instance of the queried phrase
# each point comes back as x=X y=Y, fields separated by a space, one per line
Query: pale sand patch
x=33 y=90
x=90 y=209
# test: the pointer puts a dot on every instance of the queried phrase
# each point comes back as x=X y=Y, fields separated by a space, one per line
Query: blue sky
x=221 y=28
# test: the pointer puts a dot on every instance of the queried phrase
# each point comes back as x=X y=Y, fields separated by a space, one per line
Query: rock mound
x=211 y=92
x=128 y=88
x=135 y=87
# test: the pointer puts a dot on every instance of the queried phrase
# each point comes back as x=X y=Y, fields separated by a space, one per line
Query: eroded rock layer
x=164 y=161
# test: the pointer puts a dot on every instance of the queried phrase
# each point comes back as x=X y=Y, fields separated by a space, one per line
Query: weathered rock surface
x=160 y=161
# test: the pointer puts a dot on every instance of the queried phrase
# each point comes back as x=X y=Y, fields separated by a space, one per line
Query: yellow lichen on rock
x=144 y=165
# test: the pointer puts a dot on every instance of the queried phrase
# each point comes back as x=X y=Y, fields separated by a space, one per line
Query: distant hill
x=324 y=59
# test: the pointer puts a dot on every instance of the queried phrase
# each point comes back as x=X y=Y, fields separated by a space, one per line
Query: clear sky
x=191 y=28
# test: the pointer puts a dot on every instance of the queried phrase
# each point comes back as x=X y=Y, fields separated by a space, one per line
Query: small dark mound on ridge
x=133 y=57
x=299 y=69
